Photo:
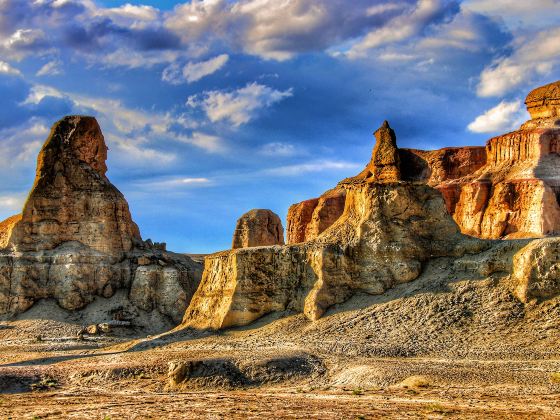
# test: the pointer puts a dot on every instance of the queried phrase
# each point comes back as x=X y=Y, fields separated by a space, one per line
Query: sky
x=211 y=108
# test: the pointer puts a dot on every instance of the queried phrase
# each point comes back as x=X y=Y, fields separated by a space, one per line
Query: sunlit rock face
x=258 y=227
x=75 y=238
x=310 y=218
x=71 y=198
x=512 y=190
x=544 y=102
x=406 y=207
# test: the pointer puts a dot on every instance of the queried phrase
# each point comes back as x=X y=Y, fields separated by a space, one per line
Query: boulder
x=536 y=270
x=258 y=227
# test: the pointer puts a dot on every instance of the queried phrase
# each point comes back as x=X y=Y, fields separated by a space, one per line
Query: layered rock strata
x=387 y=230
x=258 y=227
x=76 y=240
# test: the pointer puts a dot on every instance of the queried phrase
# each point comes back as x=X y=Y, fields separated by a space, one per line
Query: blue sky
x=211 y=108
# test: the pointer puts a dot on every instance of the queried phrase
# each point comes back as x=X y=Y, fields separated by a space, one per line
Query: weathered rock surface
x=385 y=234
x=310 y=218
x=76 y=240
x=258 y=227
x=536 y=272
x=71 y=198
x=544 y=101
x=512 y=191
x=6 y=227
x=385 y=160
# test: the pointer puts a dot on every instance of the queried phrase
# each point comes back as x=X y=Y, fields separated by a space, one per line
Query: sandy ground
x=435 y=348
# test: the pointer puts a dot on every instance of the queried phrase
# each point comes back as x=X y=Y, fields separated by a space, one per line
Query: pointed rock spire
x=385 y=161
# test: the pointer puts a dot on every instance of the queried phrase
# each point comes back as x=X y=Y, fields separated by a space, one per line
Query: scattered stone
x=104 y=327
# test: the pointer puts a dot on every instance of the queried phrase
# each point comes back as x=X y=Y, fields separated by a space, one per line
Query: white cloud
x=278 y=149
x=503 y=117
x=196 y=71
x=179 y=182
x=22 y=42
x=239 y=106
x=12 y=202
x=52 y=68
x=38 y=92
x=193 y=71
x=516 y=12
x=6 y=68
x=212 y=144
x=534 y=55
x=279 y=30
x=20 y=145
x=316 y=166
x=129 y=13
x=403 y=27
x=125 y=57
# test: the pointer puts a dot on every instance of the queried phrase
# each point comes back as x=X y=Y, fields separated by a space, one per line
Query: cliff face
x=310 y=218
x=512 y=190
x=387 y=230
x=75 y=238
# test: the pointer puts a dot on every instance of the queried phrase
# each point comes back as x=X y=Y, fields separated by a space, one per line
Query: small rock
x=105 y=327
x=92 y=329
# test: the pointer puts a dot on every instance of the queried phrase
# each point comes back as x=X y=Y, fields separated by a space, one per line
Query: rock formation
x=310 y=218
x=258 y=227
x=511 y=192
x=76 y=240
x=385 y=160
x=71 y=198
x=387 y=230
x=544 y=102
x=508 y=189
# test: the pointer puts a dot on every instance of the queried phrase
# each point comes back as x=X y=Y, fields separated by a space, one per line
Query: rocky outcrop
x=544 y=102
x=435 y=167
x=386 y=232
x=308 y=219
x=258 y=227
x=509 y=189
x=76 y=240
x=536 y=270
x=71 y=198
x=6 y=227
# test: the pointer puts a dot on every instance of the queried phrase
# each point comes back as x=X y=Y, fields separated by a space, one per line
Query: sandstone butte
x=379 y=228
x=75 y=238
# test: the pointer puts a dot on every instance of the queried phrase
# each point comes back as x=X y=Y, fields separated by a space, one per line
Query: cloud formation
x=503 y=117
x=238 y=106
x=194 y=71
x=6 y=68
x=533 y=55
